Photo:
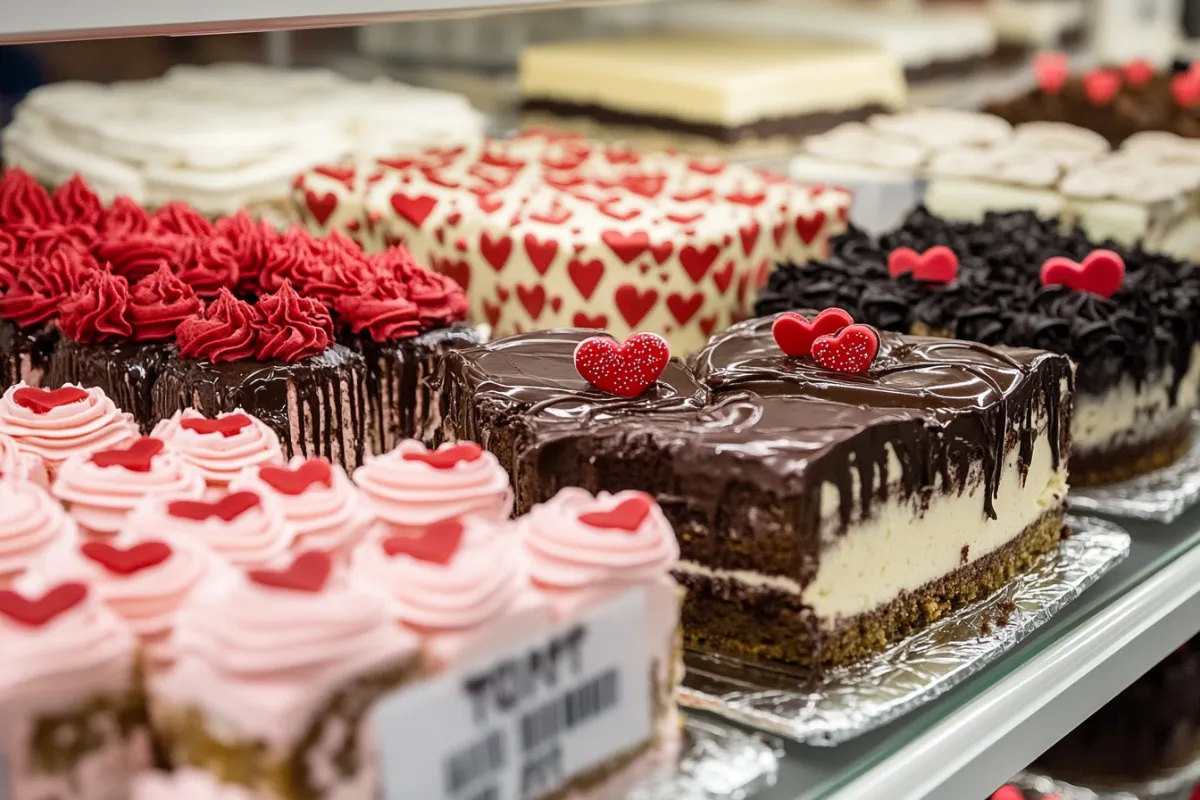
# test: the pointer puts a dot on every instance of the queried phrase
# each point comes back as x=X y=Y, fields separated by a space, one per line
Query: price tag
x=522 y=723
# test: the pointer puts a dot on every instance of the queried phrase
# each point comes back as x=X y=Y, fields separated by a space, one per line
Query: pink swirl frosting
x=88 y=639
x=77 y=428
x=31 y=523
x=220 y=448
x=100 y=495
x=147 y=598
x=327 y=511
x=453 y=575
x=19 y=465
x=415 y=487
x=247 y=529
x=185 y=784
x=577 y=541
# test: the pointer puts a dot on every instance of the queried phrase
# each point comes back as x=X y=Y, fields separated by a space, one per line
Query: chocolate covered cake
x=806 y=474
x=1126 y=317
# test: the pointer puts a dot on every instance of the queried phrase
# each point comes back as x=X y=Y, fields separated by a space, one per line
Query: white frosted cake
x=222 y=137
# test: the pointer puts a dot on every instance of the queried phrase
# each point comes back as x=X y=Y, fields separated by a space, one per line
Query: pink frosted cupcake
x=318 y=499
x=277 y=673
x=144 y=580
x=412 y=487
x=245 y=527
x=462 y=585
x=57 y=424
x=69 y=667
x=19 y=465
x=101 y=489
x=31 y=523
x=220 y=448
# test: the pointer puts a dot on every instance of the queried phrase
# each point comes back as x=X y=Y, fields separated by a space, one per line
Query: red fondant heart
x=43 y=401
x=458 y=271
x=586 y=275
x=1185 y=88
x=807 y=228
x=697 y=262
x=414 y=209
x=662 y=251
x=1101 y=273
x=437 y=544
x=228 y=508
x=36 y=612
x=795 y=335
x=129 y=561
x=135 y=458
x=1138 y=72
x=533 y=298
x=627 y=516
x=582 y=320
x=322 y=206
x=626 y=369
x=724 y=277
x=935 y=265
x=229 y=425
x=627 y=247
x=684 y=308
x=446 y=457
x=541 y=254
x=492 y=313
x=1101 y=86
x=495 y=251
x=749 y=234
x=296 y=481
x=1051 y=71
x=850 y=350
x=633 y=303
x=308 y=573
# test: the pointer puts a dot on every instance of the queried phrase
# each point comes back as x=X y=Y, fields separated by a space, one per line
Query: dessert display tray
x=1174 y=785
x=850 y=701
x=715 y=762
x=1159 y=496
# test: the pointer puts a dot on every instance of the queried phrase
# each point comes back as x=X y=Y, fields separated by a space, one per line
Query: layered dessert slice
x=1126 y=317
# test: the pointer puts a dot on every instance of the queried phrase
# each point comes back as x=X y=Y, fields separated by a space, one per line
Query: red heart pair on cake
x=831 y=338
x=936 y=265
x=1101 y=273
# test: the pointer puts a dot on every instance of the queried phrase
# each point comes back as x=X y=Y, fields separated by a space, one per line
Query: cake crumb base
x=1117 y=464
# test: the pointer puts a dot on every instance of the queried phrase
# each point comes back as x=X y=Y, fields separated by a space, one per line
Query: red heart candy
x=1138 y=72
x=625 y=369
x=1101 y=86
x=627 y=516
x=935 y=265
x=1185 y=88
x=850 y=350
x=34 y=613
x=308 y=573
x=296 y=481
x=1051 y=71
x=127 y=562
x=1101 y=273
x=229 y=425
x=437 y=544
x=135 y=458
x=447 y=457
x=228 y=508
x=795 y=335
x=43 y=401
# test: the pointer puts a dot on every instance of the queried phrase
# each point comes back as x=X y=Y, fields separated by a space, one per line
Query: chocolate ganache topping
x=1149 y=326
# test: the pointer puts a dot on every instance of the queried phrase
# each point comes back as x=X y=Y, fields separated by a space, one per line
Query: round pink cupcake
x=245 y=527
x=220 y=448
x=101 y=489
x=55 y=425
x=412 y=487
x=20 y=465
x=318 y=499
x=31 y=523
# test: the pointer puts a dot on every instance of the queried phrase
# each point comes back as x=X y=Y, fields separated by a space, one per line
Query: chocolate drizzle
x=125 y=369
x=28 y=352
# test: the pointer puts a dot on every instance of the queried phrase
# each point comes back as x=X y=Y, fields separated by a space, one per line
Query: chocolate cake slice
x=821 y=515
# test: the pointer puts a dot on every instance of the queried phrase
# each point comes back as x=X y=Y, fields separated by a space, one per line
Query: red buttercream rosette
x=98 y=311
x=43 y=241
x=207 y=264
x=225 y=331
x=125 y=217
x=74 y=202
x=158 y=303
x=177 y=217
x=291 y=327
x=10 y=260
x=439 y=299
x=251 y=243
x=325 y=270
x=43 y=283
x=381 y=309
x=23 y=201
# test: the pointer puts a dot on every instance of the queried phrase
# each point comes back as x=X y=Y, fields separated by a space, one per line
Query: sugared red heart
x=446 y=457
x=296 y=481
x=935 y=265
x=850 y=350
x=437 y=544
x=135 y=458
x=229 y=425
x=625 y=369
x=1101 y=86
x=129 y=561
x=628 y=515
x=1101 y=273
x=36 y=612
x=1138 y=72
x=228 y=508
x=795 y=335
x=1051 y=71
x=43 y=401
x=308 y=573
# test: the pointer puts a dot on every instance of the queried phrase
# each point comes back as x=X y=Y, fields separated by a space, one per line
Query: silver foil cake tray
x=716 y=762
x=1176 y=784
x=849 y=701
x=1160 y=496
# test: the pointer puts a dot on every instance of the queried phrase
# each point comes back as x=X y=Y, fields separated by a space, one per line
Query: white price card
x=522 y=723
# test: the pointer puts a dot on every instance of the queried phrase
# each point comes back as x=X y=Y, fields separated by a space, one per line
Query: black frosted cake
x=1129 y=319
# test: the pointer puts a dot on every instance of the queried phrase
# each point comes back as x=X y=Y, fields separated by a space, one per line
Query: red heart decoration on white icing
x=627 y=516
x=127 y=561
x=308 y=573
x=37 y=612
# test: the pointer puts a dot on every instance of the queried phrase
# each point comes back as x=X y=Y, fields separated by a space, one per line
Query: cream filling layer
x=1126 y=415
x=968 y=199
x=901 y=548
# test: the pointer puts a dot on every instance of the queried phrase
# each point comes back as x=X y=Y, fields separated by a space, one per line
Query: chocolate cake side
x=125 y=369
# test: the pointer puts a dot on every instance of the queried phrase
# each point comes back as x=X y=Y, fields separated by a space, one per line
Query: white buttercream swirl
x=93 y=423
